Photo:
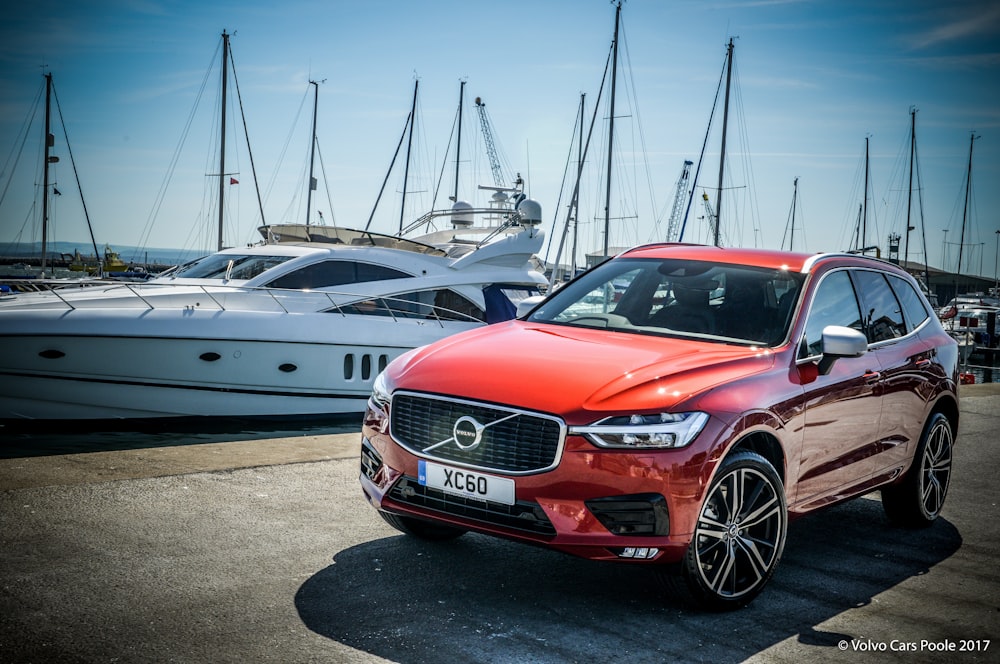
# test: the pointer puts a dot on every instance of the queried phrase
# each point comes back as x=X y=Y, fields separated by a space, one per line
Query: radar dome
x=461 y=214
x=530 y=211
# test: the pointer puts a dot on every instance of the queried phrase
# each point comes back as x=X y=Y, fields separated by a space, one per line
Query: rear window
x=914 y=305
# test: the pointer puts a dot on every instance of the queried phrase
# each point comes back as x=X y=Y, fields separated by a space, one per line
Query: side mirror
x=527 y=304
x=840 y=342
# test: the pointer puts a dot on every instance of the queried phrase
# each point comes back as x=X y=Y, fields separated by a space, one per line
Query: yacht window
x=441 y=304
x=336 y=273
x=216 y=266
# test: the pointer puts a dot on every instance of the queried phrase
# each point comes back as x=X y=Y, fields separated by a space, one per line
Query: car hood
x=577 y=373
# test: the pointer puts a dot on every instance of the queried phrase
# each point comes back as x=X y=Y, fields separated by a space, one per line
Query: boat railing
x=243 y=298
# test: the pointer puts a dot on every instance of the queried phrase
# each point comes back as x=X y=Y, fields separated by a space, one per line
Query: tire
x=425 y=530
x=916 y=501
x=739 y=536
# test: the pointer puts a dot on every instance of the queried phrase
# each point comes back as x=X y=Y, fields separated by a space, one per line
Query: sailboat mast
x=795 y=196
x=458 y=145
x=965 y=208
x=222 y=136
x=722 y=154
x=611 y=129
x=909 y=198
x=312 y=153
x=49 y=142
x=409 y=145
x=575 y=203
x=863 y=240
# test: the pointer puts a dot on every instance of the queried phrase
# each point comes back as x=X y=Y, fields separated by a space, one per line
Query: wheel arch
x=766 y=445
x=948 y=406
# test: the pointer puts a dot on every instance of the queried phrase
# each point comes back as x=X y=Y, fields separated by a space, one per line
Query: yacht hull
x=248 y=370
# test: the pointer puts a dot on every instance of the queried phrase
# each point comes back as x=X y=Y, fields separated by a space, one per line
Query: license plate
x=466 y=483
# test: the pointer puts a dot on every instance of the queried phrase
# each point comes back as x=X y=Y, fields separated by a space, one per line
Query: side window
x=882 y=313
x=833 y=304
x=913 y=304
x=442 y=304
x=335 y=273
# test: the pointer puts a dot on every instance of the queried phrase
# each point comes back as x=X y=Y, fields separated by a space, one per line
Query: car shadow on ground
x=480 y=599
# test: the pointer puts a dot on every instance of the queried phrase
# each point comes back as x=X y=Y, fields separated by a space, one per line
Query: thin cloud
x=978 y=23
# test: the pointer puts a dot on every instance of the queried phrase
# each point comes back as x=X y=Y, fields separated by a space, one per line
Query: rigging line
x=444 y=162
x=575 y=200
x=76 y=174
x=562 y=185
x=284 y=151
x=923 y=227
x=399 y=145
x=704 y=143
x=745 y=143
x=162 y=192
x=26 y=128
x=246 y=135
x=638 y=118
x=326 y=184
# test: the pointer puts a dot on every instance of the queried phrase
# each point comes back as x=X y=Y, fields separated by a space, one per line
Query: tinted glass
x=834 y=304
x=441 y=304
x=913 y=303
x=335 y=273
x=883 y=315
x=716 y=301
x=217 y=266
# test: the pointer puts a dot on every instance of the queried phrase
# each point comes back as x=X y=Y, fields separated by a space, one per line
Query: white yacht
x=299 y=325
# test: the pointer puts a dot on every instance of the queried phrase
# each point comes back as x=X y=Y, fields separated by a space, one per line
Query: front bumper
x=596 y=503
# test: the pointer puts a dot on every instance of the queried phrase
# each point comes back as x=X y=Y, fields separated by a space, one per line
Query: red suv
x=674 y=407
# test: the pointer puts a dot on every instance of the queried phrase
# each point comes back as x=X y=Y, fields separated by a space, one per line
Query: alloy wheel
x=740 y=533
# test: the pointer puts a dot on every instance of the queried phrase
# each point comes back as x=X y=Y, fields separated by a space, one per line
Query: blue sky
x=813 y=79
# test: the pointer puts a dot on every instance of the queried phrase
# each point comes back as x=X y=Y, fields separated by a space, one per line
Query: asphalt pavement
x=265 y=551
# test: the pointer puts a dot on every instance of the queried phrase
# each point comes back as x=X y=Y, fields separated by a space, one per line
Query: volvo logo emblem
x=468 y=433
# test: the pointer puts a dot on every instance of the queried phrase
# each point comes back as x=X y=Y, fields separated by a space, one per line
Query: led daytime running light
x=663 y=430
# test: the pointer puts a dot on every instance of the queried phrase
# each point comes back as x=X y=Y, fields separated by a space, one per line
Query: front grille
x=522 y=516
x=639 y=514
x=510 y=441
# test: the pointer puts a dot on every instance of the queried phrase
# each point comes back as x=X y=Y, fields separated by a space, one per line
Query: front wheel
x=425 y=530
x=916 y=501
x=739 y=536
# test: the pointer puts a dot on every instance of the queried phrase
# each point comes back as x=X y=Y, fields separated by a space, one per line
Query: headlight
x=380 y=390
x=664 y=430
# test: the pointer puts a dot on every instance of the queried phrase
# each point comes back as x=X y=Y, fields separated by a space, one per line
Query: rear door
x=903 y=359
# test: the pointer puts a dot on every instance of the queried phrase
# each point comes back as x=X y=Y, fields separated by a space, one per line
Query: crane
x=674 y=222
x=491 y=150
x=712 y=216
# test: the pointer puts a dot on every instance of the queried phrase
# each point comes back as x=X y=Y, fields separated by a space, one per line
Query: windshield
x=713 y=301
x=216 y=266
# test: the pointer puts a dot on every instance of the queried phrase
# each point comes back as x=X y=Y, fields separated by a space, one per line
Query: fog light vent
x=639 y=514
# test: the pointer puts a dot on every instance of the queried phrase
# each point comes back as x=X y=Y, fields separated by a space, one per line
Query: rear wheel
x=739 y=536
x=916 y=501
x=425 y=530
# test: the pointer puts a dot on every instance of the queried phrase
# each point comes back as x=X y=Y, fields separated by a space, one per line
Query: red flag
x=233 y=181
